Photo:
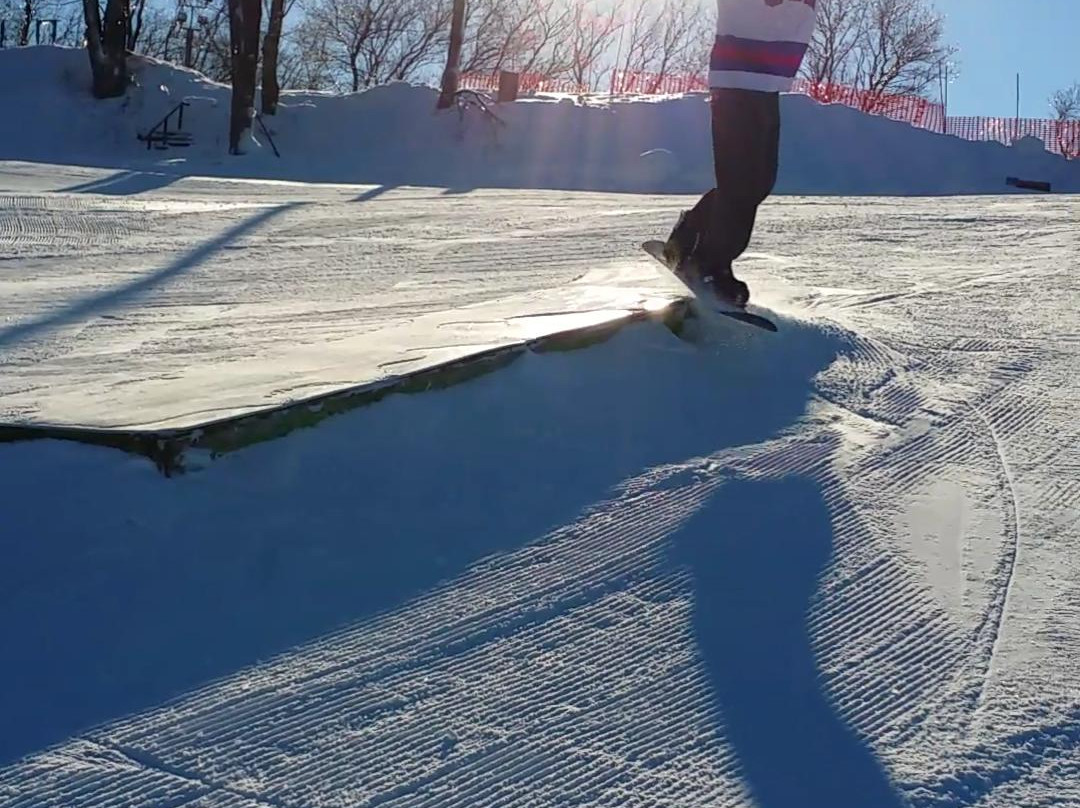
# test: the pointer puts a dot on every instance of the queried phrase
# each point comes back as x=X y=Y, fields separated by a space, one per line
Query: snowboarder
x=759 y=47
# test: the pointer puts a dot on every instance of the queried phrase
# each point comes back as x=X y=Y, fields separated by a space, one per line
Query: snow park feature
x=340 y=486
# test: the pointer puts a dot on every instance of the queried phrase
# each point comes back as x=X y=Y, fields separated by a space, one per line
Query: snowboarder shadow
x=755 y=553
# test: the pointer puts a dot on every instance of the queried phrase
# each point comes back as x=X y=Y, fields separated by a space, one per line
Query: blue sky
x=1040 y=39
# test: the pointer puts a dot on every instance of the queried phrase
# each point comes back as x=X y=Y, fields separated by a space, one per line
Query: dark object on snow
x=508 y=86
x=1031 y=185
x=161 y=136
x=245 y=20
x=271 y=88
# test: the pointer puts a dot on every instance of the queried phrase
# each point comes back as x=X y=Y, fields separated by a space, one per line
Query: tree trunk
x=271 y=91
x=245 y=17
x=453 y=57
x=106 y=45
x=135 y=26
x=24 y=23
x=355 y=72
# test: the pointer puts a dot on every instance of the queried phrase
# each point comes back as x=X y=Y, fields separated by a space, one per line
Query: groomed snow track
x=731 y=627
x=831 y=566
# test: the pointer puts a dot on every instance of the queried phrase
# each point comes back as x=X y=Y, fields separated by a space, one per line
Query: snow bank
x=392 y=135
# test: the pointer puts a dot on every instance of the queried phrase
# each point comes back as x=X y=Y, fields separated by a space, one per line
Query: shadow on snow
x=121 y=590
x=111 y=299
x=124 y=183
x=756 y=552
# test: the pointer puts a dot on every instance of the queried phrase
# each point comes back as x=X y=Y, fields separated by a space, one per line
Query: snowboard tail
x=707 y=297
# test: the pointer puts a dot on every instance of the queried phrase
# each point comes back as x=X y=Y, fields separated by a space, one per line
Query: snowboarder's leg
x=746 y=146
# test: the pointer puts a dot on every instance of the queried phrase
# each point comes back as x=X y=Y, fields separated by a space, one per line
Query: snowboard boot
x=726 y=286
x=697 y=252
x=680 y=247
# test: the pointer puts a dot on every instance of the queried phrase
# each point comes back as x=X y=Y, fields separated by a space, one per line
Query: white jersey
x=760 y=44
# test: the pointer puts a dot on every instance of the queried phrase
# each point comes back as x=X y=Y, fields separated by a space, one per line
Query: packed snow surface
x=140 y=300
x=830 y=566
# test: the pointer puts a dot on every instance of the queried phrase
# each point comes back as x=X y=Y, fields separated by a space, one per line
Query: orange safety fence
x=527 y=83
x=634 y=81
x=1060 y=137
x=911 y=109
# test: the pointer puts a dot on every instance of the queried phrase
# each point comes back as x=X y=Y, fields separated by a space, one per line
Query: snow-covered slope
x=147 y=300
x=834 y=566
x=814 y=569
x=392 y=136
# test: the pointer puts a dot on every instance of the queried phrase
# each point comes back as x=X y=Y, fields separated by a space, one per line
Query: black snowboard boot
x=702 y=245
x=726 y=286
x=682 y=244
x=686 y=251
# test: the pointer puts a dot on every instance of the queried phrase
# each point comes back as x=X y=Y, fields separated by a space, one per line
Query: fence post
x=508 y=86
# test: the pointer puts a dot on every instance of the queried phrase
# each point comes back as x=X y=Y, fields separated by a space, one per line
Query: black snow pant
x=746 y=148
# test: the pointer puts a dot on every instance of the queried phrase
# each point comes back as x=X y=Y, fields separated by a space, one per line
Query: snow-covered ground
x=391 y=136
x=148 y=300
x=831 y=566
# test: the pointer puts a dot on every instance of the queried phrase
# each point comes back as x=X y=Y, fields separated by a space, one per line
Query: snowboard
x=706 y=296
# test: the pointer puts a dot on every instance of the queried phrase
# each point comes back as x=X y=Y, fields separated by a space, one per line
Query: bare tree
x=528 y=36
x=69 y=22
x=424 y=40
x=1065 y=103
x=544 y=45
x=158 y=29
x=152 y=29
x=905 y=48
x=640 y=47
x=368 y=42
x=679 y=24
x=213 y=53
x=135 y=28
x=881 y=46
x=838 y=33
x=664 y=40
x=489 y=35
x=346 y=26
x=592 y=34
x=305 y=61
x=411 y=34
x=40 y=22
